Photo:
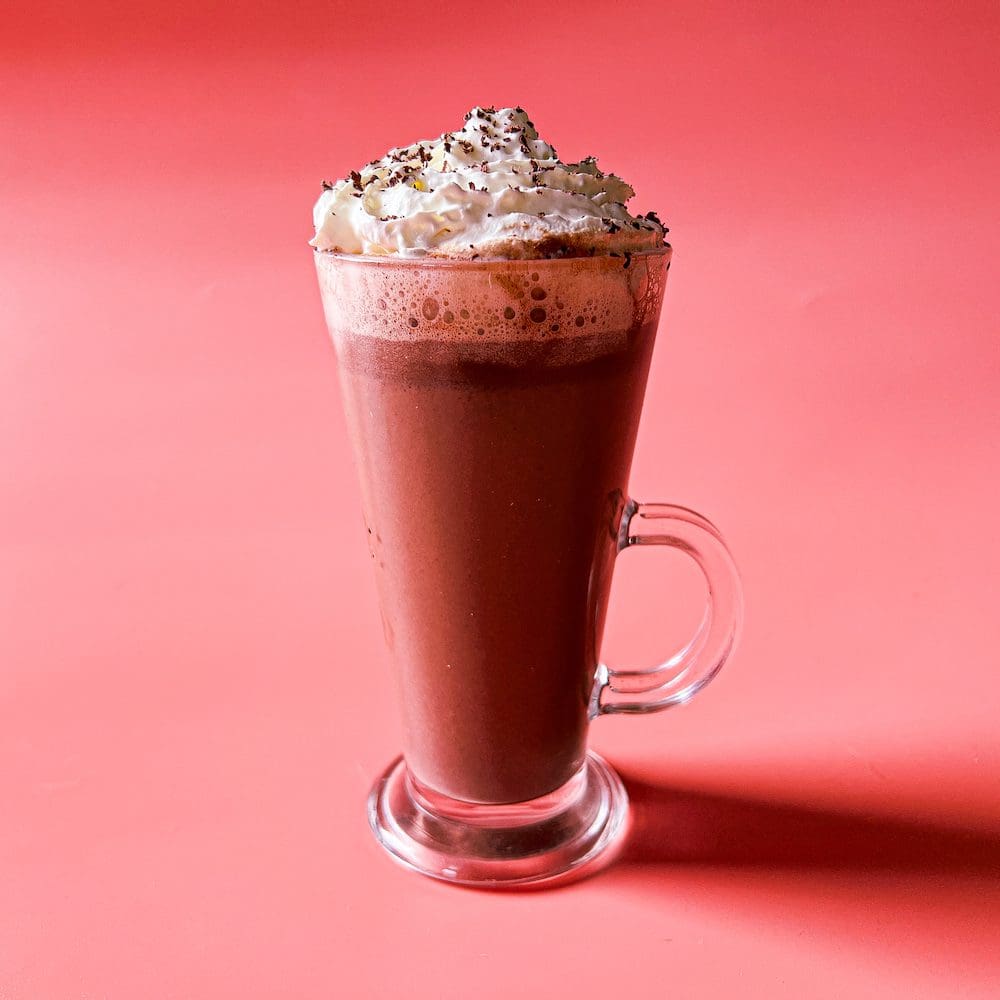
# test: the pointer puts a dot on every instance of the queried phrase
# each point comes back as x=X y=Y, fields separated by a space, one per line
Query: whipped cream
x=492 y=189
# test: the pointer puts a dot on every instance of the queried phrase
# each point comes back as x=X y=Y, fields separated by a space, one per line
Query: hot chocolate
x=493 y=409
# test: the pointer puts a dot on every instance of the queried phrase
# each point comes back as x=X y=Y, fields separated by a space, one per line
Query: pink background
x=193 y=695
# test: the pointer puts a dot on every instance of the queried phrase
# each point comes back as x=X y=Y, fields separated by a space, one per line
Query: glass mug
x=493 y=408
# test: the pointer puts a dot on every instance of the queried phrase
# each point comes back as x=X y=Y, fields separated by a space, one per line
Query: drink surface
x=494 y=467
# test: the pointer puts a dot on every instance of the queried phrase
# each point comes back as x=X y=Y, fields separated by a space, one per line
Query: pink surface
x=193 y=694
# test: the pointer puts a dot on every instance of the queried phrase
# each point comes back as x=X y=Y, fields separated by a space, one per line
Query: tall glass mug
x=493 y=408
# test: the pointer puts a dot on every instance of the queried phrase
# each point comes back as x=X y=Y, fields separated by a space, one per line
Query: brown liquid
x=492 y=495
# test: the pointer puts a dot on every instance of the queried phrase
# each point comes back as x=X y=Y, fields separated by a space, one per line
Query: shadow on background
x=672 y=826
x=889 y=887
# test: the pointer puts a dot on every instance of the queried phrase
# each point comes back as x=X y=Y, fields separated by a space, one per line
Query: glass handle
x=677 y=679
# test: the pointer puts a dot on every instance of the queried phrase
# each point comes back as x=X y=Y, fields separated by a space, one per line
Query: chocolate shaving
x=356 y=179
x=327 y=186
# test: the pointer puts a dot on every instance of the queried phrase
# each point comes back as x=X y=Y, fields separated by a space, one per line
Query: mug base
x=556 y=838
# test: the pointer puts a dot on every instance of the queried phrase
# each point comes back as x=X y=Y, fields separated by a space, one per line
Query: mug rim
x=445 y=263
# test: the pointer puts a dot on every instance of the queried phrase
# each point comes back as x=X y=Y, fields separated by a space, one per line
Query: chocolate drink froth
x=493 y=409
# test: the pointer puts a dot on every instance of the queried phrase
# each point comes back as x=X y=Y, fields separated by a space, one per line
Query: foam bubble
x=597 y=300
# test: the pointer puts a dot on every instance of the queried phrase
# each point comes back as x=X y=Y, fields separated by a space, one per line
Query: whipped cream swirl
x=492 y=189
